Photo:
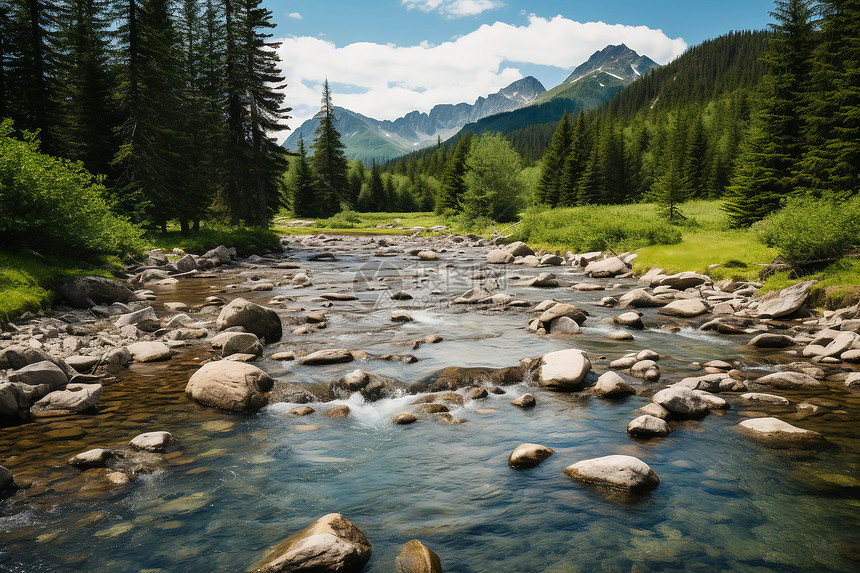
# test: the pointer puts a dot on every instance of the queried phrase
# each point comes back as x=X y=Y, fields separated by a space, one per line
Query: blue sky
x=385 y=58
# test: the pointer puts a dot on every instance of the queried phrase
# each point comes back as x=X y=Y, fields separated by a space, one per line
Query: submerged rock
x=321 y=357
x=331 y=543
x=646 y=426
x=415 y=557
x=75 y=399
x=624 y=473
x=150 y=351
x=774 y=432
x=681 y=402
x=789 y=380
x=529 y=455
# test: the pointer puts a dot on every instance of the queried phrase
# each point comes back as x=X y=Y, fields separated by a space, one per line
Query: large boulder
x=685 y=308
x=622 y=473
x=89 y=291
x=610 y=267
x=415 y=557
x=75 y=399
x=640 y=298
x=7 y=482
x=564 y=369
x=499 y=257
x=330 y=544
x=18 y=356
x=561 y=309
x=784 y=302
x=10 y=400
x=153 y=351
x=518 y=249
x=144 y=319
x=682 y=281
x=44 y=372
x=230 y=385
x=529 y=455
x=647 y=426
x=774 y=432
x=262 y=321
x=611 y=385
x=681 y=402
x=228 y=343
x=789 y=380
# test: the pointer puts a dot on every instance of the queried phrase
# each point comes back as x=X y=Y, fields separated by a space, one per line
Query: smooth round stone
x=302 y=411
x=404 y=419
x=341 y=411
x=774 y=432
x=646 y=426
x=529 y=455
x=618 y=335
x=617 y=472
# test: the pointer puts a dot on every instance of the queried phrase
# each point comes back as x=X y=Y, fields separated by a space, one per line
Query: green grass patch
x=26 y=281
x=595 y=228
x=738 y=251
x=247 y=240
x=353 y=223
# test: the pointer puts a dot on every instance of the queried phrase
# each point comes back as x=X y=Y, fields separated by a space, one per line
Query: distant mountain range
x=368 y=138
x=522 y=103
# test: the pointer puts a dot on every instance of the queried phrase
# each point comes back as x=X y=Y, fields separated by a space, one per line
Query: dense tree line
x=171 y=102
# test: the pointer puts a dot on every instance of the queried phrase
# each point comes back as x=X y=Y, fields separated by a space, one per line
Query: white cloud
x=453 y=8
x=295 y=15
x=386 y=81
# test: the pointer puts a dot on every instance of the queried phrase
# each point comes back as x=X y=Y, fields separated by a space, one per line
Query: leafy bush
x=594 y=228
x=54 y=205
x=344 y=220
x=809 y=230
x=247 y=240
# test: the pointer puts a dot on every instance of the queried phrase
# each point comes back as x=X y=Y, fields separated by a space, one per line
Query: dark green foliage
x=329 y=161
x=493 y=186
x=452 y=185
x=355 y=178
x=809 y=231
x=303 y=184
x=54 y=205
x=549 y=189
x=375 y=197
x=247 y=240
x=766 y=174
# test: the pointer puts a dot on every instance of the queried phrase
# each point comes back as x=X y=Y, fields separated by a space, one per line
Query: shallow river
x=239 y=484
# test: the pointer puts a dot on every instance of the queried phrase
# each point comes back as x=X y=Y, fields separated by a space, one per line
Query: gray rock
x=230 y=385
x=551 y=260
x=789 y=380
x=618 y=335
x=331 y=356
x=529 y=455
x=518 y=249
x=331 y=543
x=655 y=410
x=563 y=326
x=75 y=399
x=685 y=308
x=564 y=369
x=428 y=256
x=683 y=281
x=95 y=458
x=784 y=302
x=646 y=426
x=228 y=343
x=7 y=482
x=563 y=309
x=262 y=321
x=144 y=319
x=186 y=264
x=543 y=280
x=220 y=255
x=10 y=400
x=17 y=357
x=415 y=557
x=524 y=401
x=774 y=432
x=629 y=319
x=372 y=387
x=610 y=267
x=152 y=441
x=611 y=385
x=624 y=473
x=640 y=298
x=645 y=369
x=499 y=257
x=768 y=340
x=150 y=351
x=681 y=402
x=44 y=372
x=84 y=292
x=764 y=398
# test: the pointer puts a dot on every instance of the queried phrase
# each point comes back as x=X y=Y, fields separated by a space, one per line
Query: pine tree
x=549 y=188
x=329 y=162
x=303 y=184
x=376 y=188
x=832 y=134
x=85 y=91
x=355 y=179
x=576 y=162
x=697 y=160
x=6 y=56
x=766 y=173
x=453 y=187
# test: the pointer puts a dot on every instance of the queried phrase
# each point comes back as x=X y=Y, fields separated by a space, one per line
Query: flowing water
x=239 y=484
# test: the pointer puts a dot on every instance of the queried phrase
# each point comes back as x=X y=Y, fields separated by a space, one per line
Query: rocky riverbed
x=477 y=399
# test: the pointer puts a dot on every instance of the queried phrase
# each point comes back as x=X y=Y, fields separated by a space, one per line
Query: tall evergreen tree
x=329 y=161
x=549 y=188
x=766 y=172
x=355 y=179
x=832 y=159
x=452 y=189
x=697 y=160
x=303 y=184
x=85 y=91
x=575 y=165
x=376 y=188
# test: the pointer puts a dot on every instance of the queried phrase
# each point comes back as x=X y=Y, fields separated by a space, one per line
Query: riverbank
x=445 y=478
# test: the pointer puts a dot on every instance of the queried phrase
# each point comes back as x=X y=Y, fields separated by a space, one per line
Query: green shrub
x=595 y=228
x=55 y=206
x=810 y=231
x=344 y=220
x=247 y=240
